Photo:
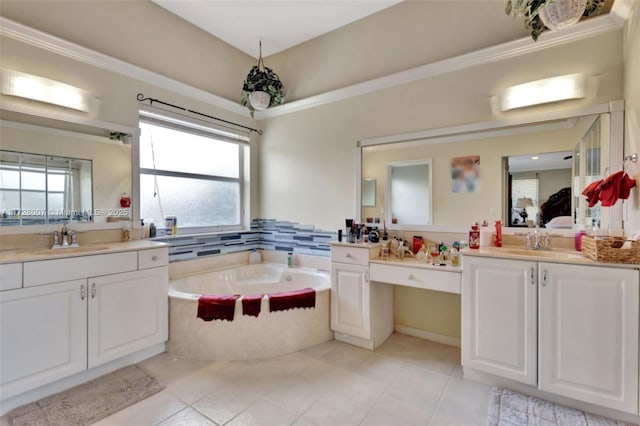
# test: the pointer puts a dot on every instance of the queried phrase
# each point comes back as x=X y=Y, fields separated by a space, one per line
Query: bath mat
x=89 y=402
x=508 y=408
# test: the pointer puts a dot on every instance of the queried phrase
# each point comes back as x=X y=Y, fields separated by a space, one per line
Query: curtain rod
x=141 y=98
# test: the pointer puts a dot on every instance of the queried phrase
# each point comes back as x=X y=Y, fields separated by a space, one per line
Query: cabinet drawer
x=416 y=277
x=73 y=268
x=10 y=276
x=153 y=258
x=353 y=255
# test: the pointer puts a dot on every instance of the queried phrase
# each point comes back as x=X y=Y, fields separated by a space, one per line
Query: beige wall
x=116 y=93
x=404 y=36
x=141 y=33
x=308 y=157
x=632 y=110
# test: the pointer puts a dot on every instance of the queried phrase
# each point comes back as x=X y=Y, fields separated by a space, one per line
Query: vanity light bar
x=554 y=89
x=35 y=88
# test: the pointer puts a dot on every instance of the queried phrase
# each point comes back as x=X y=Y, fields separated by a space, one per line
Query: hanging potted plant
x=540 y=15
x=262 y=88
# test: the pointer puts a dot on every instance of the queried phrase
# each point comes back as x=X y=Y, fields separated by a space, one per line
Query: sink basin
x=71 y=250
x=547 y=254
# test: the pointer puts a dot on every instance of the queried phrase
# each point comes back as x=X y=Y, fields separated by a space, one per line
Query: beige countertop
x=552 y=256
x=30 y=255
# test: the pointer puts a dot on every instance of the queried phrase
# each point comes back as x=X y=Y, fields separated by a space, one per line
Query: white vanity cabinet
x=127 y=313
x=589 y=334
x=499 y=314
x=570 y=330
x=76 y=313
x=361 y=311
x=350 y=311
x=43 y=335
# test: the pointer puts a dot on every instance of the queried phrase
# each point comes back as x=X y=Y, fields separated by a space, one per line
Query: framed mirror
x=76 y=171
x=39 y=189
x=490 y=147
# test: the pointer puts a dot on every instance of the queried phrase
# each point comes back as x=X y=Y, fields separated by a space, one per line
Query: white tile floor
x=407 y=381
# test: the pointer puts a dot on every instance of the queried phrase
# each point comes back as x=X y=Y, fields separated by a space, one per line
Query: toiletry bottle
x=455 y=257
x=474 y=237
x=578 y=238
x=497 y=241
x=290 y=260
x=254 y=257
x=126 y=232
x=152 y=229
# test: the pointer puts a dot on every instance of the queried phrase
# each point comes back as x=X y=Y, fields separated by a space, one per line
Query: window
x=192 y=171
x=39 y=189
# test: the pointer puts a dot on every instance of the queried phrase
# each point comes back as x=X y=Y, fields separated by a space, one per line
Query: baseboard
x=428 y=335
x=77 y=379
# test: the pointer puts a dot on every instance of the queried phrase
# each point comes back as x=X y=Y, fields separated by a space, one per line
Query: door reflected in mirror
x=368 y=192
x=409 y=186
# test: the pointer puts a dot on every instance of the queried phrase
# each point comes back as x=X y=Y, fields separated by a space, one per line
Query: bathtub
x=247 y=337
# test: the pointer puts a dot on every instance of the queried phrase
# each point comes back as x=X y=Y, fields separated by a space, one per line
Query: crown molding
x=509 y=50
x=42 y=40
x=590 y=28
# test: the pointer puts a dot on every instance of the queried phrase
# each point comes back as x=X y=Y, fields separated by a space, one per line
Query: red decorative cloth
x=615 y=187
x=252 y=304
x=213 y=307
x=292 y=299
x=592 y=192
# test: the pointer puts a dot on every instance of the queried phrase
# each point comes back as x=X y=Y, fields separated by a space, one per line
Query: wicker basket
x=610 y=250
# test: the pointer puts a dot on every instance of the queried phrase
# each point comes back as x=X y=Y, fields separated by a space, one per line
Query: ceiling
x=545 y=161
x=280 y=24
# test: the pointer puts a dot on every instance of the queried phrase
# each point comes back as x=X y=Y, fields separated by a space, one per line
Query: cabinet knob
x=411 y=277
x=348 y=256
x=154 y=258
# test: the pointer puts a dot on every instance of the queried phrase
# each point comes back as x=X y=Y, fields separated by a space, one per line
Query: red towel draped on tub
x=212 y=307
x=292 y=299
x=251 y=304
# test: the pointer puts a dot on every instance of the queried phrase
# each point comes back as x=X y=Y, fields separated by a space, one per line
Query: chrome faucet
x=65 y=239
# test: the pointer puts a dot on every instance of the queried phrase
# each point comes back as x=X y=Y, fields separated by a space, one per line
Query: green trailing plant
x=530 y=10
x=264 y=80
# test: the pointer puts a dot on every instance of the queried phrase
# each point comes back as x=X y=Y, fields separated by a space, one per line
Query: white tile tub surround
x=246 y=337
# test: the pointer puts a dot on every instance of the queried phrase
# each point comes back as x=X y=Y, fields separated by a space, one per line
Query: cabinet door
x=499 y=330
x=350 y=309
x=589 y=334
x=43 y=335
x=127 y=312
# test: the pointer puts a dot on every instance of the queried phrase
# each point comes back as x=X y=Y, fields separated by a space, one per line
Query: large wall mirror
x=38 y=189
x=53 y=172
x=523 y=173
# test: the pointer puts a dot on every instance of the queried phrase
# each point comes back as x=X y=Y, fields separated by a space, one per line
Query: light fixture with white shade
x=554 y=89
x=36 y=88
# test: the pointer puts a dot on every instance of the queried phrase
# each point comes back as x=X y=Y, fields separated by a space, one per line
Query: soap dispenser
x=474 y=237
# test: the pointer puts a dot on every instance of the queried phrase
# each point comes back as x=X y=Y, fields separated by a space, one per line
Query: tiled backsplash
x=265 y=234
